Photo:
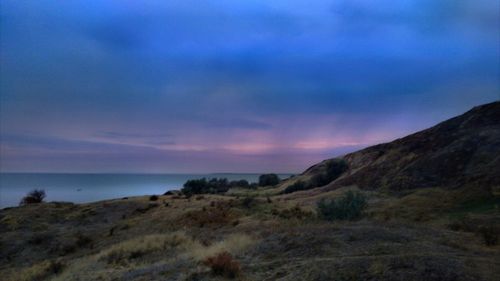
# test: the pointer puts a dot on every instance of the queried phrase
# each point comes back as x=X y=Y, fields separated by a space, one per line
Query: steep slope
x=460 y=151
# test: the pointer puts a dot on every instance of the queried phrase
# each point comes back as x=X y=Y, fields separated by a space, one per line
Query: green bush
x=333 y=169
x=240 y=183
x=200 y=186
x=348 y=207
x=268 y=179
x=213 y=186
x=297 y=186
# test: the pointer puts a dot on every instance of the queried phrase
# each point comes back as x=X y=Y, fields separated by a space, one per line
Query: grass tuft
x=223 y=264
x=41 y=271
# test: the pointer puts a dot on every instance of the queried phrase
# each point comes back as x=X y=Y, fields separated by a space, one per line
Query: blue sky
x=233 y=86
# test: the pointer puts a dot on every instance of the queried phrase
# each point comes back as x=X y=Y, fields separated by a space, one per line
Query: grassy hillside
x=462 y=150
x=418 y=236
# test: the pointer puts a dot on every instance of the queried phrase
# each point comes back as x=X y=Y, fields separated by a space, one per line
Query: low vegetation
x=295 y=212
x=223 y=264
x=133 y=250
x=242 y=184
x=268 y=180
x=251 y=237
x=217 y=214
x=213 y=186
x=297 y=186
x=34 y=196
x=348 y=207
x=41 y=271
x=248 y=202
x=333 y=169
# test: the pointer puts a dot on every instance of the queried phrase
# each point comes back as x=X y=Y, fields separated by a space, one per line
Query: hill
x=464 y=150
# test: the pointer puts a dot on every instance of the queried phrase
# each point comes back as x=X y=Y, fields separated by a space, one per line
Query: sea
x=83 y=188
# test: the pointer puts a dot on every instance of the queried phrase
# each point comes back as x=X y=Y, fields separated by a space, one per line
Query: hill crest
x=459 y=151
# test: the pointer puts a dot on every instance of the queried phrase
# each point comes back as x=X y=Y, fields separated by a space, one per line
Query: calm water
x=80 y=188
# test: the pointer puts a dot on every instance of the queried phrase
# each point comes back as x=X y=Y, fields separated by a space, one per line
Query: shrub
x=223 y=264
x=34 y=196
x=153 y=197
x=348 y=207
x=297 y=186
x=318 y=180
x=240 y=183
x=333 y=169
x=200 y=186
x=213 y=186
x=195 y=186
x=268 y=179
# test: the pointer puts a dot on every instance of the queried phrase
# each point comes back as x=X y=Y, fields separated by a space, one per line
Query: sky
x=188 y=86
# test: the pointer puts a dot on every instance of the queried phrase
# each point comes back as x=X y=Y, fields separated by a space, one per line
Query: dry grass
x=132 y=250
x=421 y=205
x=223 y=264
x=295 y=212
x=234 y=244
x=167 y=242
x=218 y=213
x=154 y=249
x=38 y=271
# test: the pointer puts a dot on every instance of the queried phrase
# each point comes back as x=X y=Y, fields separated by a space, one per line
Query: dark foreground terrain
x=432 y=213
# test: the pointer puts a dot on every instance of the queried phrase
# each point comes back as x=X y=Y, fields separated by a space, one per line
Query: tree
x=268 y=179
x=297 y=186
x=239 y=183
x=34 y=196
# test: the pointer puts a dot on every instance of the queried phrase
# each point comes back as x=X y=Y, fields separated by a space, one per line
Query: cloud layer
x=211 y=86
